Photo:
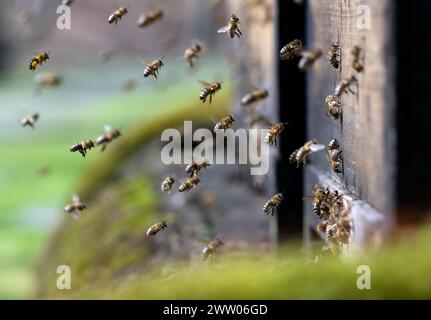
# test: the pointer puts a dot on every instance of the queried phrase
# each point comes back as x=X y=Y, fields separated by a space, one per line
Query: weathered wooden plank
x=366 y=133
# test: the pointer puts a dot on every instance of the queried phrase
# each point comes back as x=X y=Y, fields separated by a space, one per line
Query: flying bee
x=75 y=207
x=48 y=79
x=167 y=184
x=224 y=123
x=210 y=90
x=273 y=133
x=254 y=96
x=333 y=104
x=291 y=50
x=232 y=27
x=30 y=119
x=109 y=135
x=150 y=17
x=211 y=248
x=189 y=184
x=344 y=86
x=38 y=59
x=82 y=147
x=155 y=228
x=117 y=15
x=273 y=203
x=335 y=155
x=308 y=59
x=299 y=156
x=333 y=55
x=194 y=168
x=356 y=53
x=152 y=69
x=192 y=52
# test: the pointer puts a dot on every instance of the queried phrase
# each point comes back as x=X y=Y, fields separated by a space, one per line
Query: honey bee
x=333 y=104
x=152 y=69
x=75 y=207
x=308 y=59
x=82 y=147
x=273 y=133
x=48 y=79
x=30 y=119
x=194 y=168
x=150 y=17
x=38 y=59
x=335 y=155
x=109 y=135
x=344 y=86
x=129 y=85
x=117 y=15
x=189 y=184
x=210 y=90
x=155 y=228
x=211 y=248
x=356 y=53
x=299 y=156
x=167 y=184
x=232 y=27
x=333 y=55
x=254 y=96
x=291 y=50
x=192 y=52
x=224 y=123
x=273 y=203
x=106 y=55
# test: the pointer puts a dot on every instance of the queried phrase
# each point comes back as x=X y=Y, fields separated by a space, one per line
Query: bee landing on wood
x=254 y=96
x=30 y=120
x=194 y=168
x=150 y=17
x=167 y=184
x=299 y=156
x=209 y=90
x=356 y=53
x=155 y=228
x=211 y=248
x=192 y=52
x=273 y=133
x=333 y=104
x=82 y=147
x=344 y=86
x=335 y=156
x=320 y=205
x=224 y=123
x=109 y=135
x=117 y=15
x=38 y=59
x=308 y=59
x=333 y=55
x=272 y=204
x=152 y=69
x=189 y=184
x=76 y=207
x=291 y=50
x=232 y=27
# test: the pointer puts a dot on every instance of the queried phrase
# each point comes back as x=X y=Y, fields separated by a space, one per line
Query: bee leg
x=211 y=97
x=104 y=147
x=82 y=152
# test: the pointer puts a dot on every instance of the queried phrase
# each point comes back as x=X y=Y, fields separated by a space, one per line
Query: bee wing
x=317 y=147
x=75 y=215
x=223 y=29
x=107 y=128
x=75 y=198
x=206 y=84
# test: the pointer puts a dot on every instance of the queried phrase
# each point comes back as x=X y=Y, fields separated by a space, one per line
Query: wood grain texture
x=366 y=132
